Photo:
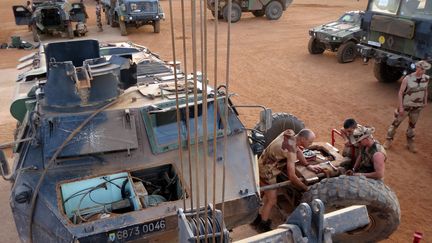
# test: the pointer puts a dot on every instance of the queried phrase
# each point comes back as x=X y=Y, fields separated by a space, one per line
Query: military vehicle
x=133 y=13
x=96 y=154
x=272 y=9
x=52 y=17
x=339 y=36
x=396 y=36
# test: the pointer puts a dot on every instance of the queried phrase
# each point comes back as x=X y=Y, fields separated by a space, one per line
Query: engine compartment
x=109 y=195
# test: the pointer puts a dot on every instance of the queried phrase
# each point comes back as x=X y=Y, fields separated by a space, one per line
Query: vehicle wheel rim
x=349 y=54
x=275 y=11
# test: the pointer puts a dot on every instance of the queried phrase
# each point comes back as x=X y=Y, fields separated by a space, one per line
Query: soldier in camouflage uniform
x=371 y=161
x=98 y=15
x=279 y=157
x=413 y=95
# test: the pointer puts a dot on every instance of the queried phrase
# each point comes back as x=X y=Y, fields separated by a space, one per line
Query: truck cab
x=396 y=35
x=133 y=13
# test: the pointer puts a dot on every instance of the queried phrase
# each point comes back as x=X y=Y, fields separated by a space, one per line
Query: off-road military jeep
x=52 y=17
x=341 y=36
x=397 y=34
x=272 y=9
x=133 y=13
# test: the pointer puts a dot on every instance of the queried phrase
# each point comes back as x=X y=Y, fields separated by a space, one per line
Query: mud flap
x=22 y=15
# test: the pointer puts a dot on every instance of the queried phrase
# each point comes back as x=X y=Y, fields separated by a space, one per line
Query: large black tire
x=280 y=122
x=156 y=26
x=387 y=74
x=315 y=47
x=123 y=30
x=258 y=13
x=274 y=10
x=235 y=13
x=347 y=52
x=343 y=191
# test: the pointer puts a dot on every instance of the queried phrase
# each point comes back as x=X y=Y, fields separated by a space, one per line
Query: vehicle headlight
x=364 y=37
x=133 y=6
x=334 y=38
x=413 y=66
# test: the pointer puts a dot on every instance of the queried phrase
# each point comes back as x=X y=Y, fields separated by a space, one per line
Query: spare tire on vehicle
x=280 y=122
x=343 y=191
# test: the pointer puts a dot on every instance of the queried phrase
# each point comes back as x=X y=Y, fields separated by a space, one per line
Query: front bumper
x=392 y=59
x=143 y=18
x=331 y=42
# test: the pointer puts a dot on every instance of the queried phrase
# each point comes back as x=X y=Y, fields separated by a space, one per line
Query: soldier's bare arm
x=293 y=177
x=303 y=161
x=379 y=166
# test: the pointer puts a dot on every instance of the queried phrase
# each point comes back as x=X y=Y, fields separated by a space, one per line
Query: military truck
x=339 y=36
x=133 y=13
x=52 y=17
x=397 y=34
x=272 y=9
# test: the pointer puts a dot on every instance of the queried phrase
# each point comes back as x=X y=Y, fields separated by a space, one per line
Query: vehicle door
x=22 y=15
x=78 y=13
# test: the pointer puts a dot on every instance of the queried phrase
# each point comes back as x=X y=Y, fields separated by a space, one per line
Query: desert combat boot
x=388 y=143
x=411 y=146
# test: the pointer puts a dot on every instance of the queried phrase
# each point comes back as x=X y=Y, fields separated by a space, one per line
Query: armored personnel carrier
x=397 y=34
x=102 y=147
x=339 y=36
x=96 y=152
x=52 y=17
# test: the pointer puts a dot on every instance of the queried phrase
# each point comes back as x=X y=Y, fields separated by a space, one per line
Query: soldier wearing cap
x=370 y=162
x=279 y=157
x=412 y=97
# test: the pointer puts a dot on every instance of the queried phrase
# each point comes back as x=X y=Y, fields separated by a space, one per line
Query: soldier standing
x=412 y=97
x=98 y=15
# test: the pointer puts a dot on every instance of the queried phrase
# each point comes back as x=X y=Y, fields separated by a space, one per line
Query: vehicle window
x=163 y=130
x=349 y=18
x=416 y=8
x=384 y=6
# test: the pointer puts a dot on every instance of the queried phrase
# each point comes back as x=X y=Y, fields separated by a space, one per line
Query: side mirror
x=4 y=166
x=265 y=119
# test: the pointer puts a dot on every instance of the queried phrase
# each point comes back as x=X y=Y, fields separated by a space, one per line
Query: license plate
x=136 y=231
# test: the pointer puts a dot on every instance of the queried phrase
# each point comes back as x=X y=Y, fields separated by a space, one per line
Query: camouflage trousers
x=413 y=114
x=99 y=21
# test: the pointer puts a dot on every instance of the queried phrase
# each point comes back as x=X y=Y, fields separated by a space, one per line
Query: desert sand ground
x=270 y=65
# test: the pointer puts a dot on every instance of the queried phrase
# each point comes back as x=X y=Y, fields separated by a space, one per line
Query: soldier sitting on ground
x=371 y=161
x=280 y=156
